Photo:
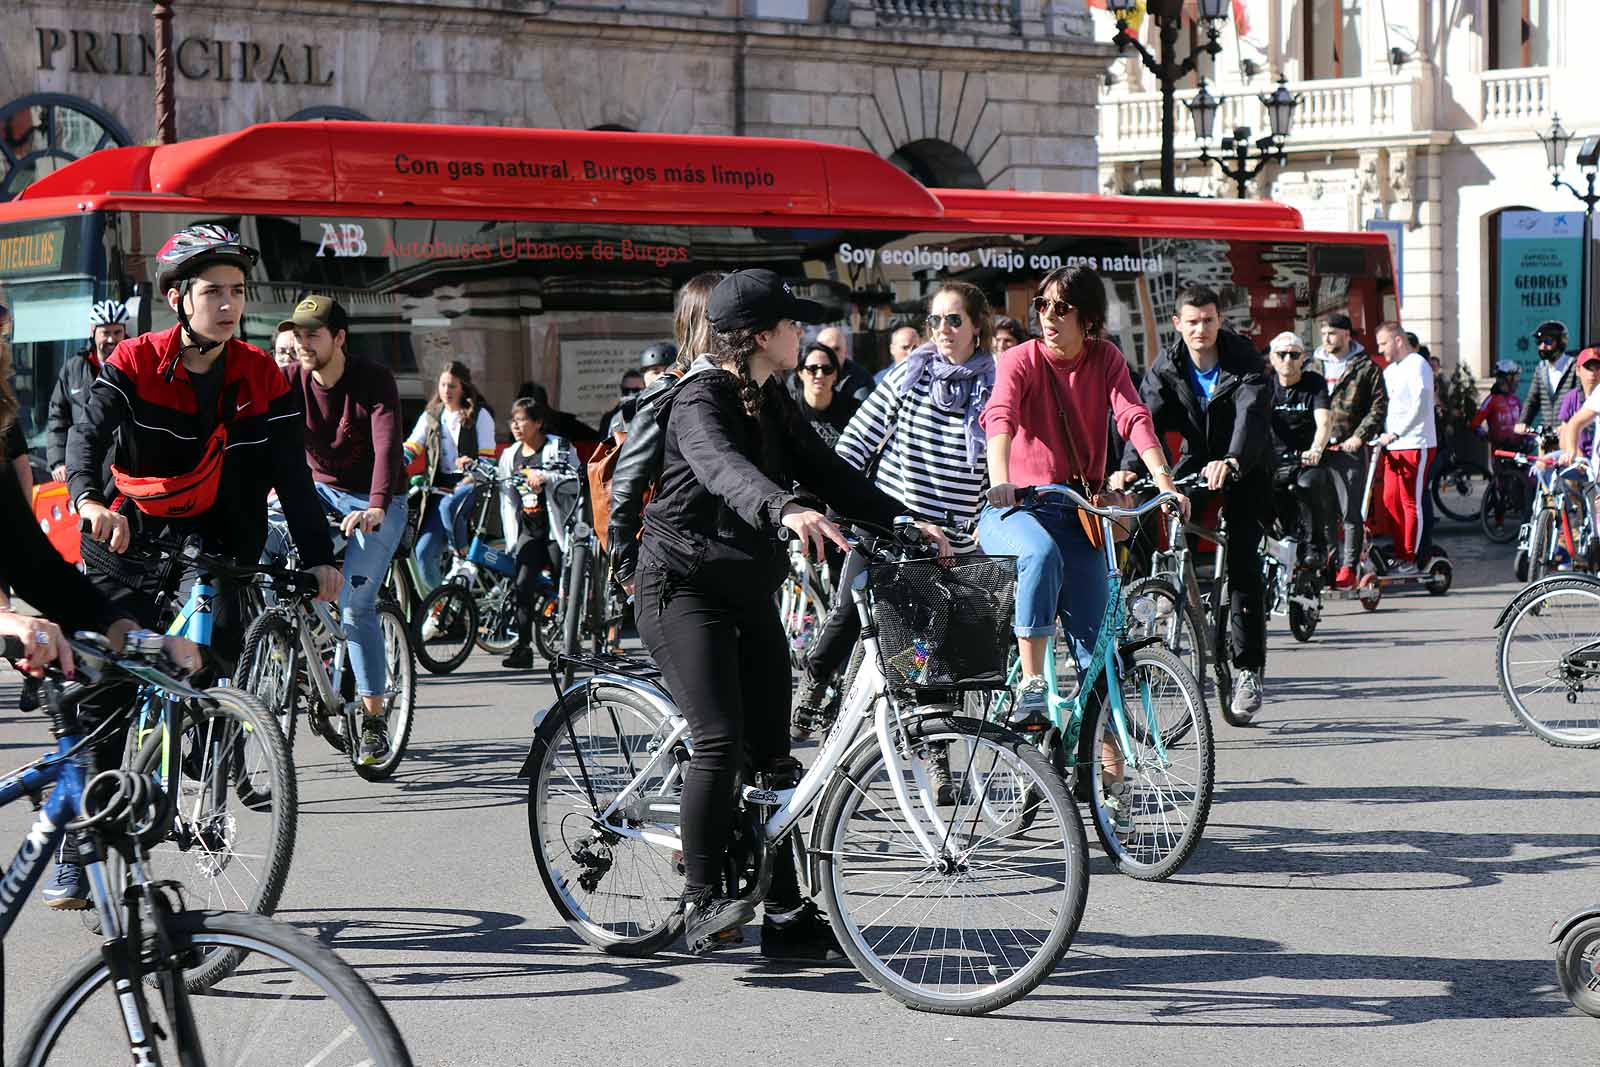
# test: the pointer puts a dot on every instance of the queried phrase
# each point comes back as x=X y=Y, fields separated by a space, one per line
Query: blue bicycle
x=288 y=998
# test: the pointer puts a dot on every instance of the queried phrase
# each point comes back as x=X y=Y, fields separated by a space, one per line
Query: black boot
x=803 y=935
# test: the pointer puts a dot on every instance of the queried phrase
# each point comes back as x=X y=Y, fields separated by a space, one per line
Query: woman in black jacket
x=709 y=564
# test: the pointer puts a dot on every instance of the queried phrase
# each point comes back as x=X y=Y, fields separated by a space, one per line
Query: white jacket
x=1409 y=382
x=562 y=492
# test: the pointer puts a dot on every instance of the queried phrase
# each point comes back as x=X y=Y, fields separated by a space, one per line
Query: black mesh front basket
x=945 y=627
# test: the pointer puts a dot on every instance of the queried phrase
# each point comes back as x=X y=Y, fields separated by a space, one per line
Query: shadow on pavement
x=459 y=774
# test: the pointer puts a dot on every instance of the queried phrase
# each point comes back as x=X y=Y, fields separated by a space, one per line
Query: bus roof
x=426 y=170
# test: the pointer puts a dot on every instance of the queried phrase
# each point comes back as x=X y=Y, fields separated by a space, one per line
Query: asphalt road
x=1385 y=857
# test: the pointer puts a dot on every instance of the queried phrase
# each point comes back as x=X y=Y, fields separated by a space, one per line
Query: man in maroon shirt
x=353 y=439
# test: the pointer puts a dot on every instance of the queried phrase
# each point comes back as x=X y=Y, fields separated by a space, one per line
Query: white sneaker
x=430 y=628
x=1404 y=568
x=1247 y=695
x=1032 y=700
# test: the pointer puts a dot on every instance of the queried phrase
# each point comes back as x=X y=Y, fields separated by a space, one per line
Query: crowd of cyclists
x=731 y=441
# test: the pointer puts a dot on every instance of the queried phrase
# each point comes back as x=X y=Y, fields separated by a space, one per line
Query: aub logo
x=343 y=239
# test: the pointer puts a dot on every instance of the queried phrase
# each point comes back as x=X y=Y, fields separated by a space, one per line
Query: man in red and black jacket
x=199 y=426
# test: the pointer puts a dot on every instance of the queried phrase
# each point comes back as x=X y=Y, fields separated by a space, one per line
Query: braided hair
x=736 y=347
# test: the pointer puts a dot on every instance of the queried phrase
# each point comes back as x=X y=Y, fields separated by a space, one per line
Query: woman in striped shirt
x=921 y=424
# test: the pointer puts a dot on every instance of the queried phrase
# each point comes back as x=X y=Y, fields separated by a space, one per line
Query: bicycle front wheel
x=445 y=628
x=619 y=892
x=401 y=698
x=497 y=630
x=270 y=668
x=1548 y=661
x=235 y=808
x=1541 y=545
x=984 y=921
x=1156 y=608
x=1458 y=490
x=1165 y=779
x=290 y=1000
x=1500 y=515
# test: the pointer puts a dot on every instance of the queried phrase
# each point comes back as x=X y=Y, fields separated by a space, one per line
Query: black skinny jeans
x=533 y=555
x=1247 y=622
x=1347 y=482
x=1303 y=506
x=727 y=667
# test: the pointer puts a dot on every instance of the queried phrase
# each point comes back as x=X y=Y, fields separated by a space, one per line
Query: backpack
x=602 y=465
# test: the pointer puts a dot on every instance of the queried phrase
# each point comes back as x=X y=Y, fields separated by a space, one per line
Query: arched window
x=342 y=113
x=44 y=132
x=938 y=165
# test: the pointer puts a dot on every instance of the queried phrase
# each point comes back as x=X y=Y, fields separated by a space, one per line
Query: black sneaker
x=521 y=659
x=711 y=922
x=810 y=709
x=374 y=747
x=805 y=937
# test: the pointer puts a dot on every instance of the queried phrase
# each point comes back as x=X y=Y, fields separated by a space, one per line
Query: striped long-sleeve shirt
x=925 y=462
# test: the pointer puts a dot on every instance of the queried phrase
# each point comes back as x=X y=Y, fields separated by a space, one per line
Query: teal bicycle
x=1146 y=763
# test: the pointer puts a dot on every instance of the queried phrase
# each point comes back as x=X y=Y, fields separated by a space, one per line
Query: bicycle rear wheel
x=985 y=921
x=497 y=626
x=1541 y=545
x=1458 y=489
x=1222 y=652
x=290 y=1000
x=445 y=628
x=1500 y=514
x=1169 y=792
x=1548 y=661
x=228 y=853
x=619 y=893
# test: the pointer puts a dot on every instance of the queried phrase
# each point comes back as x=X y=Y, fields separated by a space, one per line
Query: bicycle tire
x=270 y=668
x=1575 y=966
x=497 y=618
x=1498 y=514
x=1559 y=685
x=1222 y=652
x=1175 y=615
x=633 y=927
x=595 y=609
x=401 y=674
x=293 y=968
x=575 y=600
x=453 y=613
x=1540 y=544
x=1457 y=489
x=192 y=845
x=999 y=977
x=1187 y=740
x=1303 y=620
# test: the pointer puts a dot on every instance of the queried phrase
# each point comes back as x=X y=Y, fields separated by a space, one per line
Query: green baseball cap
x=314 y=311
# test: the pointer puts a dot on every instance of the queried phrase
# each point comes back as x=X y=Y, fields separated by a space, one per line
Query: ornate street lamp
x=1555 y=153
x=1168 y=69
x=1279 y=104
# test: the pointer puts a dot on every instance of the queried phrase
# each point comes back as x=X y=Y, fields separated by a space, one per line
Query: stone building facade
x=1415 y=117
x=995 y=94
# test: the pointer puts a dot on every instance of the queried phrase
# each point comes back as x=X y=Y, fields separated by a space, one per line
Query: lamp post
x=1280 y=105
x=166 y=106
x=1168 y=69
x=1555 y=152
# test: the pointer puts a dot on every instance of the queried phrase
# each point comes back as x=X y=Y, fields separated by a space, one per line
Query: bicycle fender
x=1565 y=576
x=1560 y=928
x=643 y=690
x=1128 y=648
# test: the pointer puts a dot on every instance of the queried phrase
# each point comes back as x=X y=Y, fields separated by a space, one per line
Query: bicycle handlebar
x=1032 y=493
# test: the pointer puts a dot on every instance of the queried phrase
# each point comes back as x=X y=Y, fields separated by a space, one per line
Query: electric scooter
x=1375 y=573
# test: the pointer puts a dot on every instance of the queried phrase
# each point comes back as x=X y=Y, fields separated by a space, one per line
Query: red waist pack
x=178 y=496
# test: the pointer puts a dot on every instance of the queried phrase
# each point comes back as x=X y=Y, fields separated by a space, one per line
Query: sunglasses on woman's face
x=818 y=370
x=1058 y=308
x=953 y=321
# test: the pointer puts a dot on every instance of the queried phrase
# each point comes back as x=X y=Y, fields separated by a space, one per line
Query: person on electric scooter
x=1300 y=428
x=1410 y=440
x=1211 y=387
x=1357 y=405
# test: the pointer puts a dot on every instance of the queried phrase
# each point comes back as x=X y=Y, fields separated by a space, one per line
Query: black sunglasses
x=954 y=321
x=1290 y=353
x=1059 y=308
x=818 y=369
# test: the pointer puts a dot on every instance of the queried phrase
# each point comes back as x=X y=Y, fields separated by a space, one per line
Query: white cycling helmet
x=1507 y=366
x=110 y=313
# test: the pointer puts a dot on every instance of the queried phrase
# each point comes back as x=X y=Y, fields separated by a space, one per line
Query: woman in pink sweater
x=1045 y=390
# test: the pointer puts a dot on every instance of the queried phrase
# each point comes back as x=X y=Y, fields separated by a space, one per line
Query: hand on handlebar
x=935 y=537
x=1217 y=473
x=1120 y=480
x=41 y=640
x=104 y=524
x=366 y=521
x=813 y=529
x=329 y=582
x=1003 y=495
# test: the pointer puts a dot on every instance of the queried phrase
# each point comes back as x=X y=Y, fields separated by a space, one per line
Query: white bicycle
x=959 y=908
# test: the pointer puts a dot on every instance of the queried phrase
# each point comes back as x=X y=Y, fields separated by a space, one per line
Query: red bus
x=553 y=255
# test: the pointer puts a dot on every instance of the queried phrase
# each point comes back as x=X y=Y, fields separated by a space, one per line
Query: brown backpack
x=600 y=469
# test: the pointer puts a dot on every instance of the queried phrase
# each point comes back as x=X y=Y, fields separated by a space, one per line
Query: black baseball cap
x=757 y=299
x=314 y=311
x=1339 y=320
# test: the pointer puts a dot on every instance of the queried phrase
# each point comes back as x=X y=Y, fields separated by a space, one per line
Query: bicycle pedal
x=722 y=939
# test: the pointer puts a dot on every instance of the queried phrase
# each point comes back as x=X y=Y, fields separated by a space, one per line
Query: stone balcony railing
x=1330 y=111
x=1515 y=98
x=993 y=15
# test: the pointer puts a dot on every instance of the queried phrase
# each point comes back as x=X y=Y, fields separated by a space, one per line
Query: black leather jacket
x=725 y=480
x=1237 y=423
x=638 y=468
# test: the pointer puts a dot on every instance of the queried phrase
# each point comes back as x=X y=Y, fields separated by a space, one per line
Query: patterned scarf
x=955 y=389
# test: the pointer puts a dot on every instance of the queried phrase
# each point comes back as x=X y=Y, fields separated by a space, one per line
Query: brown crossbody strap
x=1066 y=426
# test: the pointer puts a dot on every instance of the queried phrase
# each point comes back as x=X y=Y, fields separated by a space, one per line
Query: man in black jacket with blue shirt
x=1212 y=388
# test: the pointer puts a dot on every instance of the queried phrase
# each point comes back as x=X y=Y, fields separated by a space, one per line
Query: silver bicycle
x=958 y=908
